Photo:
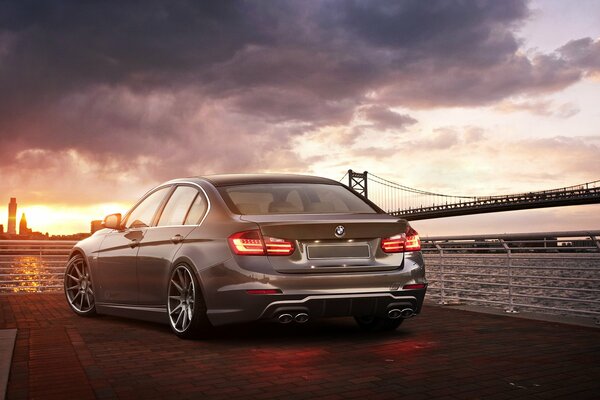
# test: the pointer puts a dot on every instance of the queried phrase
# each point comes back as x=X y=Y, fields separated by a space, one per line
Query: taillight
x=278 y=247
x=252 y=243
x=247 y=243
x=408 y=241
x=394 y=244
x=413 y=241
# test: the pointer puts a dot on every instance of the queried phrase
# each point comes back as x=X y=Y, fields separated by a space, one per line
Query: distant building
x=96 y=225
x=23 y=229
x=75 y=236
x=12 y=216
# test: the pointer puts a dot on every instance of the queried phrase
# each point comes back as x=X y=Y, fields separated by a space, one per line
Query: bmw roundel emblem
x=340 y=231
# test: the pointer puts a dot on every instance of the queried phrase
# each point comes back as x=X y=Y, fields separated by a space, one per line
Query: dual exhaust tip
x=302 y=317
x=396 y=313
x=286 y=318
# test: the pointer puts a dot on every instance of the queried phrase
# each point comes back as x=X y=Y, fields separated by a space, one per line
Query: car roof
x=243 y=179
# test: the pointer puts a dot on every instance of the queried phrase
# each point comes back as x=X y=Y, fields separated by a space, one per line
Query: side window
x=178 y=205
x=197 y=210
x=142 y=215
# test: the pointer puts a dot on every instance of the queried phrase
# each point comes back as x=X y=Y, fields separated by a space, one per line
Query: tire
x=78 y=287
x=185 y=305
x=371 y=323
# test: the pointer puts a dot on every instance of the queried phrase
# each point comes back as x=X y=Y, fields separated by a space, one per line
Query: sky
x=100 y=101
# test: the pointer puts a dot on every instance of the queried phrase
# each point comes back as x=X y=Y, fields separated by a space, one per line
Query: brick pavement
x=443 y=354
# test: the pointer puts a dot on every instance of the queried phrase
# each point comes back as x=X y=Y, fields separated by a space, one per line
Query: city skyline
x=26 y=232
x=462 y=98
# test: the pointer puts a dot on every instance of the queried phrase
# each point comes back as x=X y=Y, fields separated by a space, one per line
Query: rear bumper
x=320 y=305
x=359 y=304
x=225 y=287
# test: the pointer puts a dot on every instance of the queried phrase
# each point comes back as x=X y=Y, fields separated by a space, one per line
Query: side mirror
x=112 y=221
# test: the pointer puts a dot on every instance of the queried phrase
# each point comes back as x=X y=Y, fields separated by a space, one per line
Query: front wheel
x=78 y=287
x=185 y=305
x=371 y=323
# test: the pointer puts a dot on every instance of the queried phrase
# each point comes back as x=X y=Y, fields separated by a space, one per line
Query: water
x=565 y=284
x=29 y=273
x=557 y=283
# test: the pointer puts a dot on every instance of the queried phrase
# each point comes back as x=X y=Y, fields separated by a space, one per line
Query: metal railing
x=551 y=272
x=548 y=272
x=33 y=265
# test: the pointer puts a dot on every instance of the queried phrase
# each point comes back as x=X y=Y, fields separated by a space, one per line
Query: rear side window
x=142 y=215
x=178 y=206
x=197 y=211
x=293 y=198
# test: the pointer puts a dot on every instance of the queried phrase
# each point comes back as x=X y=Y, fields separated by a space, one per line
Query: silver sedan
x=207 y=251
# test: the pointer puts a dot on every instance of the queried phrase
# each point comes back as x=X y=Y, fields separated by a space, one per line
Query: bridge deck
x=443 y=353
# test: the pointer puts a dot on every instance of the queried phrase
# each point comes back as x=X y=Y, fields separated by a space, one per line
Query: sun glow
x=63 y=219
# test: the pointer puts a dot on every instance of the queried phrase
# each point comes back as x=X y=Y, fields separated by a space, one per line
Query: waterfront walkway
x=443 y=354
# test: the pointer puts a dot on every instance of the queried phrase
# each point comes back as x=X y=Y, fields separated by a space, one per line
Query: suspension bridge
x=415 y=204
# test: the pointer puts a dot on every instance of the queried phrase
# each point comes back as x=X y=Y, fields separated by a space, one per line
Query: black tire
x=185 y=305
x=78 y=287
x=371 y=323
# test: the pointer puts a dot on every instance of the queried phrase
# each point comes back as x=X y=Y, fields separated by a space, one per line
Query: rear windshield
x=293 y=198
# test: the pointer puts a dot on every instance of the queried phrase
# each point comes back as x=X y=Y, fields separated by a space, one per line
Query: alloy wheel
x=78 y=286
x=181 y=299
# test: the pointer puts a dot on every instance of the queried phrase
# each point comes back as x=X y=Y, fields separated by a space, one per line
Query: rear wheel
x=372 y=323
x=78 y=287
x=185 y=305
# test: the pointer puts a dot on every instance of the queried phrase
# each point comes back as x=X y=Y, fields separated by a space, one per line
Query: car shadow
x=313 y=331
x=271 y=332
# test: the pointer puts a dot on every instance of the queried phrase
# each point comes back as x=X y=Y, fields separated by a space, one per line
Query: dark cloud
x=431 y=84
x=383 y=118
x=191 y=87
x=453 y=31
x=583 y=53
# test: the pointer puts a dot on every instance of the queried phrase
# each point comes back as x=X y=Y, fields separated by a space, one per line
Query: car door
x=179 y=217
x=116 y=274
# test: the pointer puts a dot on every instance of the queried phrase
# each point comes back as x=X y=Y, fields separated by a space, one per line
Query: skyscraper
x=12 y=216
x=23 y=230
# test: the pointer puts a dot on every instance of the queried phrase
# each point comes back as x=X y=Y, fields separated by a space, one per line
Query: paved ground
x=443 y=353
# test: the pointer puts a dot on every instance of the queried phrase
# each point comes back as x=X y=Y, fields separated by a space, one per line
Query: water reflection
x=31 y=274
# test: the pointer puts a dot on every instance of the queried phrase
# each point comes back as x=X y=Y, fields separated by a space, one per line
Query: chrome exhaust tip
x=394 y=313
x=407 y=313
x=301 y=318
x=285 y=318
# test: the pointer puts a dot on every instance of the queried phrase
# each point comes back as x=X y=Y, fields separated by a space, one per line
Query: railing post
x=511 y=308
x=442 y=291
x=596 y=241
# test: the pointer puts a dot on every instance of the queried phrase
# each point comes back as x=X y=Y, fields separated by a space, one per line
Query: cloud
x=383 y=118
x=445 y=138
x=560 y=156
x=92 y=89
x=473 y=134
x=584 y=53
x=531 y=164
x=545 y=108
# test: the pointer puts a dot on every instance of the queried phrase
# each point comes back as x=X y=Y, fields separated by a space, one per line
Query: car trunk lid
x=327 y=243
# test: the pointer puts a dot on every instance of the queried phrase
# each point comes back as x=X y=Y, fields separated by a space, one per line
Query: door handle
x=177 y=239
x=134 y=243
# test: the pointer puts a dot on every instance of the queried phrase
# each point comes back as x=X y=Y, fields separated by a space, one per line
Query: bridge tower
x=358 y=182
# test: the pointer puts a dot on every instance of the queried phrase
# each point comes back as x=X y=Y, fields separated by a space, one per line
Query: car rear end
x=312 y=249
